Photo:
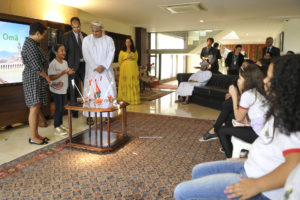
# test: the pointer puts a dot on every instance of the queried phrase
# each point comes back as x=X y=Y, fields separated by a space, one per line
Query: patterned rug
x=145 y=168
x=149 y=95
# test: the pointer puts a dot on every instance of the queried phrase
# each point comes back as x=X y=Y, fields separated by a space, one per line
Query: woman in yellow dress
x=129 y=87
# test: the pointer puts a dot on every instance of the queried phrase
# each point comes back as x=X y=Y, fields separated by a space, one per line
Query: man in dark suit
x=72 y=41
x=270 y=48
x=209 y=54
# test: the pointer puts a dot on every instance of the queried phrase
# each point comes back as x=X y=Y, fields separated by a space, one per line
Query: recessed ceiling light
x=201 y=20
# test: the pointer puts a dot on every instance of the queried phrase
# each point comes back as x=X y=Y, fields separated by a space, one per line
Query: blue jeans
x=59 y=100
x=210 y=180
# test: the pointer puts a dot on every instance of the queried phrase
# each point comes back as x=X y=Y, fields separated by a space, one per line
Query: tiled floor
x=14 y=141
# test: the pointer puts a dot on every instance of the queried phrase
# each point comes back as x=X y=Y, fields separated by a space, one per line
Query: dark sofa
x=213 y=94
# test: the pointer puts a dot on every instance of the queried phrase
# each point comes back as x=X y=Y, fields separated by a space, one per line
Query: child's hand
x=71 y=71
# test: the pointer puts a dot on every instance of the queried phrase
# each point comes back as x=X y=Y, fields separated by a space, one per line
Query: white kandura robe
x=99 y=51
x=187 y=88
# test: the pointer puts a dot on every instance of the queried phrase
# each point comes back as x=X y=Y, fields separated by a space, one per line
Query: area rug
x=149 y=95
x=161 y=153
x=167 y=86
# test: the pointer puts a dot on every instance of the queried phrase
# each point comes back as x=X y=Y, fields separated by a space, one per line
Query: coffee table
x=95 y=138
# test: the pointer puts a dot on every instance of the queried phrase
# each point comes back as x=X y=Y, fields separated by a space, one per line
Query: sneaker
x=207 y=136
x=64 y=128
x=60 y=131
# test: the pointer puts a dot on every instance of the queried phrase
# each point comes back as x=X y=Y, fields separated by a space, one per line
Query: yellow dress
x=129 y=87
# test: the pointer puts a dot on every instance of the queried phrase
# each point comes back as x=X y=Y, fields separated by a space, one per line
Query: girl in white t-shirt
x=58 y=72
x=251 y=105
x=273 y=155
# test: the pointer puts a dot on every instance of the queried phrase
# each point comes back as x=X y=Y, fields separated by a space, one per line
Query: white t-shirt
x=291 y=189
x=253 y=101
x=60 y=85
x=267 y=154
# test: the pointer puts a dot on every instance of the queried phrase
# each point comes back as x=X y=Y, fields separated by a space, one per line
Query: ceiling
x=252 y=20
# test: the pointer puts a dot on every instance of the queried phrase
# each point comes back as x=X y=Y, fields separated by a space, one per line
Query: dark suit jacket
x=274 y=51
x=228 y=60
x=214 y=62
x=72 y=49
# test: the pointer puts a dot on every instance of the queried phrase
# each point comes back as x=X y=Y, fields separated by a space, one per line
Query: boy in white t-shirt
x=273 y=155
x=58 y=72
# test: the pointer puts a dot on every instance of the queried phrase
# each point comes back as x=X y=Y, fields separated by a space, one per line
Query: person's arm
x=120 y=59
x=110 y=54
x=249 y=187
x=136 y=56
x=227 y=61
x=239 y=112
x=56 y=76
x=86 y=54
x=45 y=76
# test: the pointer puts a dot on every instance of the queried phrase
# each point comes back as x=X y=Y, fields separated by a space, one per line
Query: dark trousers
x=246 y=134
x=79 y=75
x=233 y=72
x=226 y=115
x=59 y=100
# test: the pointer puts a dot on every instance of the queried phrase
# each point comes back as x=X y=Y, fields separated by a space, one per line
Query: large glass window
x=165 y=41
x=171 y=64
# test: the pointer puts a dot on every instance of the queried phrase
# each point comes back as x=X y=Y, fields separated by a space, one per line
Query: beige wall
x=39 y=9
x=109 y=25
x=52 y=11
x=291 y=36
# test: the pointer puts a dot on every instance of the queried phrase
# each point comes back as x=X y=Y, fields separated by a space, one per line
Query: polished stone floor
x=14 y=141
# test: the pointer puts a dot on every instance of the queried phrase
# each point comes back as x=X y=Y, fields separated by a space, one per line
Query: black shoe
x=207 y=136
x=33 y=142
x=46 y=139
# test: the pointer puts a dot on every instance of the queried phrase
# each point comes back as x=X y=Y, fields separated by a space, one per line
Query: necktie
x=80 y=45
x=79 y=40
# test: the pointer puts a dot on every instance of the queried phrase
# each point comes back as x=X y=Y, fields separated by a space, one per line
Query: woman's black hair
x=284 y=94
x=132 y=49
x=57 y=46
x=216 y=45
x=238 y=46
x=249 y=61
x=253 y=78
x=290 y=53
x=37 y=27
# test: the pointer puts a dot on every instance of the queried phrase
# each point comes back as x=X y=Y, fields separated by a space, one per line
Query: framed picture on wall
x=281 y=37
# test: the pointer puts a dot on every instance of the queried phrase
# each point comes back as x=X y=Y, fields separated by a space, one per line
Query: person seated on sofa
x=273 y=155
x=200 y=78
x=226 y=116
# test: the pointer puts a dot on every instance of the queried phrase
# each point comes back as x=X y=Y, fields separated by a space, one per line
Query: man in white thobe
x=98 y=52
x=200 y=78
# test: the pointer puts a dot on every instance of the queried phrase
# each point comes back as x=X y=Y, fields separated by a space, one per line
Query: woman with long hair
x=249 y=105
x=274 y=154
x=129 y=87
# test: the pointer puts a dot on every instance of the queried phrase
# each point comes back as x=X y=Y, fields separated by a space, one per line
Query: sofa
x=213 y=94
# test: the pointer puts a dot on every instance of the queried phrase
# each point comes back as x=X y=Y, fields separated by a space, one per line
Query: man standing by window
x=73 y=43
x=209 y=54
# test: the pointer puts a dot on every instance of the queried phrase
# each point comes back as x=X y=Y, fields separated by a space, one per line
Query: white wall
x=291 y=30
